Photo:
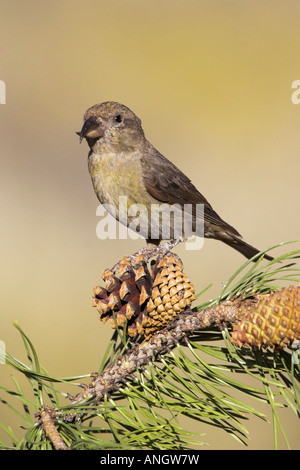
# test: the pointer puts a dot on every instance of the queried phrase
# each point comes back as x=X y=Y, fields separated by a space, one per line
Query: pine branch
x=116 y=374
x=130 y=369
x=124 y=367
x=47 y=421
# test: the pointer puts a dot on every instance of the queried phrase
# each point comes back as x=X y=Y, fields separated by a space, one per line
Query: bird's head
x=112 y=126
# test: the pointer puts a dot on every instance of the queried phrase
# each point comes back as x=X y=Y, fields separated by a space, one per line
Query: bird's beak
x=91 y=129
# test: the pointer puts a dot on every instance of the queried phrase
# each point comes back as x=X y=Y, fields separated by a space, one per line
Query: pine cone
x=144 y=298
x=172 y=293
x=274 y=321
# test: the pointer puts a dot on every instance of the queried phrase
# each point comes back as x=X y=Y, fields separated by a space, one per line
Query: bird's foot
x=165 y=248
x=150 y=251
x=147 y=252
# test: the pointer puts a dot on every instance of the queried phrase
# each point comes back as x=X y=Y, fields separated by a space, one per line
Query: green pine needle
x=203 y=381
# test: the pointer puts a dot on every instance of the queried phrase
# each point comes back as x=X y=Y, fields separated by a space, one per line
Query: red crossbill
x=122 y=162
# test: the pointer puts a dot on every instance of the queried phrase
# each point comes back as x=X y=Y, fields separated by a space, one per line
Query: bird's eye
x=118 y=118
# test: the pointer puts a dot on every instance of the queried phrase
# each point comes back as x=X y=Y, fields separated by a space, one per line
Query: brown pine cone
x=172 y=293
x=144 y=298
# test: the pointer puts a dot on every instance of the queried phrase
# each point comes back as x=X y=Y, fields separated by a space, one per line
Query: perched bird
x=122 y=162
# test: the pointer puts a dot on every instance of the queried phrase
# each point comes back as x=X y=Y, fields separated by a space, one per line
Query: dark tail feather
x=244 y=248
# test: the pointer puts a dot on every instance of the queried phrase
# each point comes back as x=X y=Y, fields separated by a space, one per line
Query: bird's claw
x=151 y=251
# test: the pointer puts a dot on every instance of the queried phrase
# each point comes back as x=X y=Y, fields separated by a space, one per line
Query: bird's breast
x=116 y=175
x=118 y=183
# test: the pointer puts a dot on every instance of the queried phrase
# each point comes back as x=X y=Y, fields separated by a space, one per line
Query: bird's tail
x=247 y=250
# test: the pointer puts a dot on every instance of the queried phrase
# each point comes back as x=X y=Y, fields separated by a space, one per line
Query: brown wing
x=166 y=183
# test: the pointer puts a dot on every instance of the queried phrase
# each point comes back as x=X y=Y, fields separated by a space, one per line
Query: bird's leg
x=165 y=248
x=152 y=249
x=148 y=251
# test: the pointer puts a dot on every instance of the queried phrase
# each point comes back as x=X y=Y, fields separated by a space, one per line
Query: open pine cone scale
x=144 y=298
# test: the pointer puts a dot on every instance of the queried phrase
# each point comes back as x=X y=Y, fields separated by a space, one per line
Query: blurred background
x=212 y=84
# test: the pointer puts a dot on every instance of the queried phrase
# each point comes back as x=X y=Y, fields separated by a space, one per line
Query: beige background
x=211 y=81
